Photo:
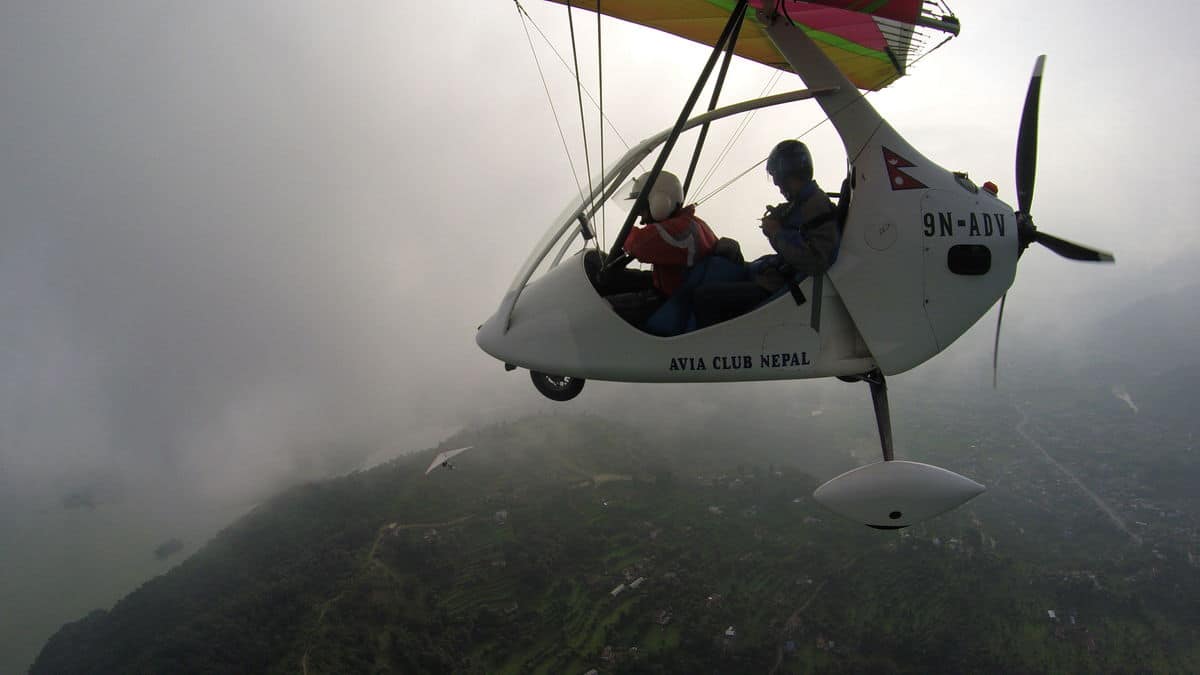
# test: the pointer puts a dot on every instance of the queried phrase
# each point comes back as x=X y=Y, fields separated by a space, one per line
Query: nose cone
x=490 y=336
x=892 y=495
x=534 y=331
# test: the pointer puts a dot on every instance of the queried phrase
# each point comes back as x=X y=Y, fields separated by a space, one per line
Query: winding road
x=1100 y=503
x=383 y=531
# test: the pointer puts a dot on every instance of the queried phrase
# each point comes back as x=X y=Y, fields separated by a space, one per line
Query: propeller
x=1027 y=232
x=1027 y=138
x=996 y=346
x=1026 y=169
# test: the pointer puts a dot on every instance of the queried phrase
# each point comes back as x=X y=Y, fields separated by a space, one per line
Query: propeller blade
x=1072 y=250
x=996 y=346
x=1027 y=139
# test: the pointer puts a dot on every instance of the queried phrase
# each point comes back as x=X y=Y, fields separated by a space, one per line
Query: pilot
x=674 y=241
x=671 y=239
x=803 y=231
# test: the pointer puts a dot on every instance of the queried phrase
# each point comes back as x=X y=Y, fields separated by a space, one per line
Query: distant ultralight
x=443 y=459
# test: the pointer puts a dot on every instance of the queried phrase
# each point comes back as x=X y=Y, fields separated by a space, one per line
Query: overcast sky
x=229 y=229
x=235 y=234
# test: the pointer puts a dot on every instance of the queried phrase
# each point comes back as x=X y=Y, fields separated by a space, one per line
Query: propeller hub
x=1026 y=231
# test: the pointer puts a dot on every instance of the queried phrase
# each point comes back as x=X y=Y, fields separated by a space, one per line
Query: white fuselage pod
x=924 y=253
x=896 y=494
x=561 y=325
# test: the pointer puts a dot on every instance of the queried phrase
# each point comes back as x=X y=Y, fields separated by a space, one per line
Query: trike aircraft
x=924 y=252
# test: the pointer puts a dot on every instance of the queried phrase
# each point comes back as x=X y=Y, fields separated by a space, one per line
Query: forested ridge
x=562 y=544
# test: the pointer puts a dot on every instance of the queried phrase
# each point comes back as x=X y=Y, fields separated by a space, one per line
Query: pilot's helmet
x=790 y=158
x=665 y=197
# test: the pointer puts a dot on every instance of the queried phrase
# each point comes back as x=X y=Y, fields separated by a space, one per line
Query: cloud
x=230 y=232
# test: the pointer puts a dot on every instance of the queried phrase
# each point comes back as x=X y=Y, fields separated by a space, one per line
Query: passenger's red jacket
x=671 y=246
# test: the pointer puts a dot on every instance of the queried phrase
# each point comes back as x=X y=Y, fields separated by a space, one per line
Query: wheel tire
x=557 y=387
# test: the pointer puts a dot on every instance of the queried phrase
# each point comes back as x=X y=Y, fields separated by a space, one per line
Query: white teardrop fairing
x=895 y=494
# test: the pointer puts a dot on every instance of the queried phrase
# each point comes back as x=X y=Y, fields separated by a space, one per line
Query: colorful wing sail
x=871 y=41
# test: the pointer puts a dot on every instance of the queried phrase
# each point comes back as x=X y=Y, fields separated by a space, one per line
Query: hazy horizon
x=243 y=245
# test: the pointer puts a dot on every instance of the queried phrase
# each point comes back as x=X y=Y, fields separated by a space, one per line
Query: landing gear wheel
x=557 y=387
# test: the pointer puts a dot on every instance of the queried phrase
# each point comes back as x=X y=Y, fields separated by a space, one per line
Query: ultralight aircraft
x=924 y=253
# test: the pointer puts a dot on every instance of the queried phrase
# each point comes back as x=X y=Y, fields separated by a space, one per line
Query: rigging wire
x=728 y=145
x=742 y=124
x=760 y=162
x=549 y=98
x=600 y=77
x=566 y=65
x=587 y=161
x=932 y=50
x=806 y=132
x=936 y=5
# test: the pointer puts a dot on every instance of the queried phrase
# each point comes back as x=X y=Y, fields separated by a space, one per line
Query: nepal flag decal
x=897 y=178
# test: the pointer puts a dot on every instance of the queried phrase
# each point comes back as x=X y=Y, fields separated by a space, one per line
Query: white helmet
x=666 y=196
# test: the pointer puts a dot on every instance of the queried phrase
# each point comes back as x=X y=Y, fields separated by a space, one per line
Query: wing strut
x=883 y=417
x=734 y=20
x=712 y=103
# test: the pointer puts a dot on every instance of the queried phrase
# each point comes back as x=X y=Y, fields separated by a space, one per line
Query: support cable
x=600 y=77
x=806 y=132
x=587 y=162
x=737 y=133
x=738 y=177
x=549 y=98
x=566 y=65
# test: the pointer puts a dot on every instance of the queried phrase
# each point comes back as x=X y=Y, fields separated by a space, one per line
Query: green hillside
x=511 y=563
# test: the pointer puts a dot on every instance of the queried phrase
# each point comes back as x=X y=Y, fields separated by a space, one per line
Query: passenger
x=803 y=231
